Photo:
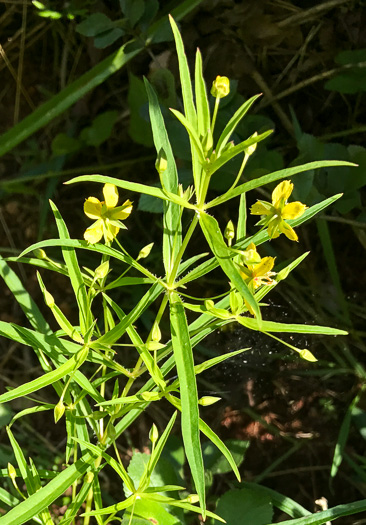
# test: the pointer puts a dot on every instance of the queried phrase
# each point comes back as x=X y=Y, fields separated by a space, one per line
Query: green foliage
x=91 y=388
x=236 y=504
x=353 y=77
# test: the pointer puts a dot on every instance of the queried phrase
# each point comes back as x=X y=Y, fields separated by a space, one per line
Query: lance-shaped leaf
x=233 y=152
x=324 y=517
x=272 y=177
x=172 y=216
x=224 y=256
x=45 y=380
x=155 y=455
x=214 y=438
x=233 y=122
x=203 y=109
x=73 y=268
x=272 y=326
x=188 y=390
x=195 y=140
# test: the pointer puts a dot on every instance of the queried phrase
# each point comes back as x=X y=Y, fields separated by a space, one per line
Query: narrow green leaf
x=75 y=276
x=76 y=90
x=233 y=152
x=233 y=122
x=281 y=275
x=23 y=298
x=321 y=518
x=342 y=438
x=188 y=390
x=113 y=335
x=276 y=175
x=329 y=255
x=59 y=103
x=185 y=77
x=40 y=382
x=284 y=503
x=78 y=501
x=258 y=239
x=98 y=248
x=31 y=410
x=155 y=455
x=186 y=264
x=203 y=109
x=271 y=326
x=25 y=471
x=195 y=140
x=172 y=231
x=136 y=340
x=224 y=257
x=32 y=506
x=111 y=461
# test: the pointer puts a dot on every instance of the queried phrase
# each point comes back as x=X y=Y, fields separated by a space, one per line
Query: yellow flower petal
x=273 y=228
x=110 y=232
x=94 y=233
x=122 y=212
x=282 y=192
x=264 y=266
x=93 y=208
x=261 y=208
x=290 y=233
x=293 y=210
x=110 y=193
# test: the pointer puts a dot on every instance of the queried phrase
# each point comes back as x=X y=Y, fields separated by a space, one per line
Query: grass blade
x=321 y=518
x=76 y=90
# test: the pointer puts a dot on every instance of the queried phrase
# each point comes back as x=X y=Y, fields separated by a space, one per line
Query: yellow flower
x=220 y=87
x=274 y=214
x=255 y=270
x=108 y=216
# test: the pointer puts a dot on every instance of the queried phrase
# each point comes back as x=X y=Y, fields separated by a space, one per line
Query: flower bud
x=192 y=498
x=59 y=411
x=48 y=299
x=145 y=252
x=251 y=149
x=220 y=87
x=161 y=163
x=11 y=472
x=229 y=232
x=154 y=434
x=208 y=400
x=307 y=355
x=156 y=333
x=39 y=253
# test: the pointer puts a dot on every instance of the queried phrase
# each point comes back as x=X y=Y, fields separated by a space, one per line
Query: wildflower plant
x=97 y=396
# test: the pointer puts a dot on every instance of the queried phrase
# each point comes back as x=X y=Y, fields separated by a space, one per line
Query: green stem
x=182 y=249
x=217 y=103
